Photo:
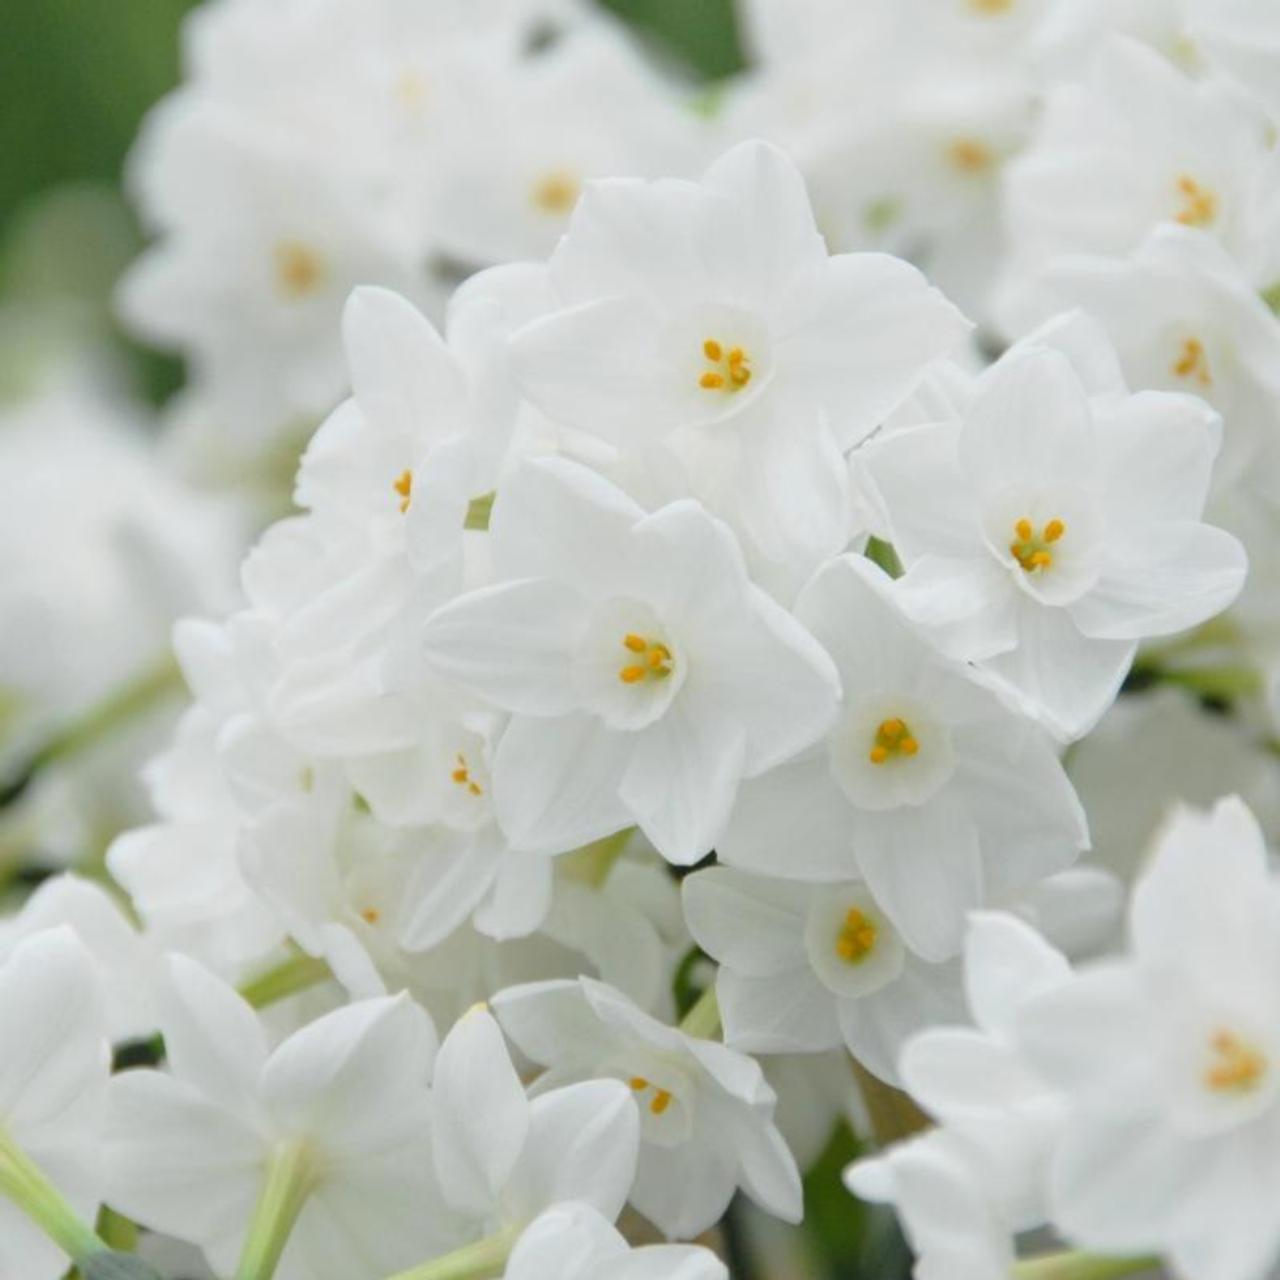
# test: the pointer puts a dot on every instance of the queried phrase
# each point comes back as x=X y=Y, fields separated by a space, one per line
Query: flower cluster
x=692 y=664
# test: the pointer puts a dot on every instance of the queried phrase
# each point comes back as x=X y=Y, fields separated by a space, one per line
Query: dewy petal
x=769 y=238
x=923 y=866
x=751 y=924
x=583 y=1143
x=866 y=341
x=558 y=519
x=480 y=1115
x=680 y=783
x=556 y=782
x=214 y=1041
x=1166 y=578
x=511 y=643
x=1031 y=425
x=403 y=376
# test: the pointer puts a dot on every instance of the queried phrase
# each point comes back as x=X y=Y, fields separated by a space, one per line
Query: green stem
x=479 y=1261
x=142 y=693
x=25 y=1183
x=478 y=512
x=117 y=1231
x=1080 y=1266
x=297 y=973
x=288 y=1184
x=703 y=1020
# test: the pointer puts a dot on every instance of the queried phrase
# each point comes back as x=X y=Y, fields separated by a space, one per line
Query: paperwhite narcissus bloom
x=502 y=1158
x=646 y=674
x=343 y=1104
x=965 y=1188
x=706 y=1112
x=1182 y=318
x=708 y=319
x=1170 y=1060
x=1048 y=532
x=573 y=1242
x=1137 y=144
x=808 y=967
x=53 y=1080
x=928 y=787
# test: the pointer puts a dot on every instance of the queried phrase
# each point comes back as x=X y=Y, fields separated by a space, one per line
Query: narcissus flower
x=646 y=674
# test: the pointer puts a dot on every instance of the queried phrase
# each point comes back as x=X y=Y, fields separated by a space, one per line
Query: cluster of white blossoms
x=691 y=673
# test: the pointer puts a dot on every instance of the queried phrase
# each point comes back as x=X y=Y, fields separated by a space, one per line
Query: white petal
x=788 y=1012
x=751 y=924
x=1007 y=963
x=556 y=782
x=481 y=1116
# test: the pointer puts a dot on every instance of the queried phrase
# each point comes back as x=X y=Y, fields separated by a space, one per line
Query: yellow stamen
x=1192 y=363
x=403 y=485
x=462 y=776
x=371 y=915
x=638 y=1083
x=556 y=193
x=1199 y=204
x=730 y=372
x=893 y=738
x=992 y=6
x=857 y=937
x=971 y=156
x=654 y=659
x=300 y=270
x=661 y=1099
x=1238 y=1068
x=1031 y=550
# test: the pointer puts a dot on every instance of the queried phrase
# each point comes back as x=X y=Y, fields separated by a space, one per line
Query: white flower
x=502 y=1158
x=708 y=318
x=53 y=1081
x=1182 y=318
x=808 y=967
x=1170 y=1060
x=1048 y=531
x=928 y=788
x=967 y=1187
x=706 y=1112
x=343 y=1105
x=573 y=1242
x=646 y=674
x=1136 y=144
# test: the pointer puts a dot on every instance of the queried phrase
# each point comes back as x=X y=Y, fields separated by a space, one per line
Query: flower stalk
x=298 y=973
x=25 y=1183
x=703 y=1020
x=1071 y=1265
x=481 y=1260
x=285 y=1191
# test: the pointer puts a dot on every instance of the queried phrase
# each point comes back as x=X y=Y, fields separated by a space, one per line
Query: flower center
x=1193 y=363
x=661 y=1099
x=971 y=156
x=462 y=776
x=991 y=6
x=728 y=370
x=556 y=193
x=403 y=485
x=646 y=659
x=300 y=269
x=893 y=738
x=1199 y=204
x=370 y=915
x=1237 y=1067
x=857 y=937
x=1031 y=549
